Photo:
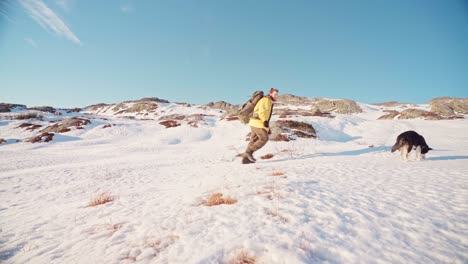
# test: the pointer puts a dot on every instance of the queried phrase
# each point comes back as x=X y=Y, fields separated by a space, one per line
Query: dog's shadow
x=448 y=158
x=342 y=153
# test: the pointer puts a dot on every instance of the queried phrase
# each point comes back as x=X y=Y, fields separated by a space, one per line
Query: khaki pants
x=258 y=139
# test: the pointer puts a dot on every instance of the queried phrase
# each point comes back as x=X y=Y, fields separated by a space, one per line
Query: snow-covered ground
x=343 y=198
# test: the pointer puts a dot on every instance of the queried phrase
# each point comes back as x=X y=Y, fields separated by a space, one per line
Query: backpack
x=247 y=109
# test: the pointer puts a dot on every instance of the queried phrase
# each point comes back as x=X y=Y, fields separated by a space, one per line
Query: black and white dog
x=409 y=140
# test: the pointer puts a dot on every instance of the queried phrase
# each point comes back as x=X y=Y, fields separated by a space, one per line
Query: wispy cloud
x=127 y=8
x=5 y=7
x=48 y=20
x=65 y=4
x=31 y=42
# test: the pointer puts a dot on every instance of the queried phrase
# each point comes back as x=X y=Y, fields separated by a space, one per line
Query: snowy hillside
x=141 y=182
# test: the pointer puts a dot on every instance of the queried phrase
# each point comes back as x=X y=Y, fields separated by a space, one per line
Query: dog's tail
x=396 y=146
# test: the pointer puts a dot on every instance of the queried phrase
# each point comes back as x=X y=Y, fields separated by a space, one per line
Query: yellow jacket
x=262 y=112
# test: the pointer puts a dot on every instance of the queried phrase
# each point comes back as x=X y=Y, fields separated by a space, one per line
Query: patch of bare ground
x=43 y=137
x=30 y=127
x=170 y=123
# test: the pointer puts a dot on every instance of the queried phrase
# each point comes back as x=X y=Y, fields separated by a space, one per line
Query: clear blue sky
x=68 y=53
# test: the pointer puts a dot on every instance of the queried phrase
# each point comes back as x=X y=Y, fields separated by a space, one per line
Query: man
x=260 y=125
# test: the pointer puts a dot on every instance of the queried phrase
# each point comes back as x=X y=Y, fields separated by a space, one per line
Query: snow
x=341 y=199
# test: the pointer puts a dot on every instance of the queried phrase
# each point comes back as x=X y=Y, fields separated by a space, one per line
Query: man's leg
x=261 y=138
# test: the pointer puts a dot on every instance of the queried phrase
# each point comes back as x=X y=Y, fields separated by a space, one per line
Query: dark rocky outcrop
x=284 y=113
x=29 y=126
x=193 y=120
x=390 y=116
x=170 y=123
x=138 y=107
x=48 y=109
x=43 y=137
x=73 y=110
x=294 y=100
x=5 y=108
x=418 y=113
x=395 y=104
x=95 y=107
x=150 y=99
x=286 y=130
x=448 y=106
x=222 y=105
x=338 y=106
x=66 y=125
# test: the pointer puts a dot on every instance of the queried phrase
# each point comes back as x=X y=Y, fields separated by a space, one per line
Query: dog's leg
x=418 y=153
x=404 y=153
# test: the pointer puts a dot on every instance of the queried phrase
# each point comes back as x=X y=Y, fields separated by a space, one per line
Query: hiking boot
x=246 y=160
x=249 y=156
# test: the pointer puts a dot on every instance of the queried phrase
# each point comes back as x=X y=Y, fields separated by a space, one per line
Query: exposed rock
x=448 y=106
x=390 y=116
x=170 y=123
x=184 y=104
x=294 y=100
x=118 y=107
x=173 y=117
x=285 y=130
x=2 y=141
x=192 y=120
x=73 y=110
x=5 y=108
x=222 y=106
x=95 y=107
x=151 y=99
x=234 y=112
x=388 y=104
x=395 y=104
x=417 y=113
x=66 y=125
x=44 y=137
x=338 y=106
x=442 y=109
x=48 y=109
x=106 y=126
x=148 y=106
x=28 y=126
x=283 y=113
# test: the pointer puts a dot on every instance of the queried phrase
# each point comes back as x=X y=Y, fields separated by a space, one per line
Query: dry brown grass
x=293 y=150
x=267 y=156
x=242 y=258
x=101 y=199
x=217 y=199
x=109 y=229
x=277 y=173
x=276 y=213
x=28 y=116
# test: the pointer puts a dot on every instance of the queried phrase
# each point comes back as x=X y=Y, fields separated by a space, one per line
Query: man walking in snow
x=260 y=125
